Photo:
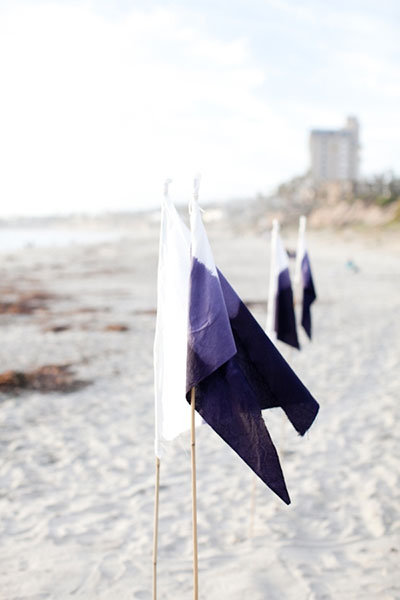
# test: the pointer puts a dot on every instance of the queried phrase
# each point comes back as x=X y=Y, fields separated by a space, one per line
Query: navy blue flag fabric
x=281 y=319
x=285 y=320
x=237 y=371
x=309 y=294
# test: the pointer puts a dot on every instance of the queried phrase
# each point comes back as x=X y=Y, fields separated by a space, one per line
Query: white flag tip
x=196 y=186
x=275 y=225
x=166 y=186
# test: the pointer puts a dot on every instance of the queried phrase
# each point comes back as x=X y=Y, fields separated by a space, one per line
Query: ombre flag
x=281 y=320
x=172 y=413
x=303 y=278
x=236 y=370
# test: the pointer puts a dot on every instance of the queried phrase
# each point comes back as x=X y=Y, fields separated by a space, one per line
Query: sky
x=101 y=101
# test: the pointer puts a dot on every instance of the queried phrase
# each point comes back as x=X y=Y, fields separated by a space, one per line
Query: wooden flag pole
x=270 y=331
x=155 y=536
x=253 y=506
x=194 y=497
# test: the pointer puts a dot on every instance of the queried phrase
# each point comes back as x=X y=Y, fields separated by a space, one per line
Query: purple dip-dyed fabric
x=309 y=294
x=285 y=319
x=237 y=371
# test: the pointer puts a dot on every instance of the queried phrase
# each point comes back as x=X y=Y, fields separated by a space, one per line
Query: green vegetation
x=381 y=190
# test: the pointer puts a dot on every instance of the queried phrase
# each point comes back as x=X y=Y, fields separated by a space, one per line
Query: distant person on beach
x=351 y=265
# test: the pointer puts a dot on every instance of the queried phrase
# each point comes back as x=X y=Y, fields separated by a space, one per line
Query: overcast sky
x=101 y=101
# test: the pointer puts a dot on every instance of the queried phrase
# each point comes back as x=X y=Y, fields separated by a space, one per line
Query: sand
x=77 y=469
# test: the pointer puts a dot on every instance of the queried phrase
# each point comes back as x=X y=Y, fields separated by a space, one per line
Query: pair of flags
x=281 y=319
x=207 y=339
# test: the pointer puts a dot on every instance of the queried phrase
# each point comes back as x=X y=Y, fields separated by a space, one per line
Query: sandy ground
x=77 y=469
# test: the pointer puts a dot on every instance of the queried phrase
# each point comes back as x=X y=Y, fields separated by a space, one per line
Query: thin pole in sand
x=155 y=536
x=270 y=331
x=253 y=506
x=194 y=497
x=296 y=302
x=284 y=424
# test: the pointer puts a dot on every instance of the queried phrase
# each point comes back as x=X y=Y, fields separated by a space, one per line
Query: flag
x=281 y=320
x=236 y=370
x=304 y=278
x=172 y=414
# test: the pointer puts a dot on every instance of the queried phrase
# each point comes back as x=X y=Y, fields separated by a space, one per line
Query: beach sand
x=77 y=469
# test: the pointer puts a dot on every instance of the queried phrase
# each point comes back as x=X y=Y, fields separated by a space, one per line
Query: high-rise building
x=334 y=153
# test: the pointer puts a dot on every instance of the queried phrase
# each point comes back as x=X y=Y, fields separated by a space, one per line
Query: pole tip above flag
x=166 y=186
x=196 y=186
x=275 y=225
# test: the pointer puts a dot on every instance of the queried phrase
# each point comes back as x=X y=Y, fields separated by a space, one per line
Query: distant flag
x=172 y=414
x=303 y=277
x=236 y=370
x=281 y=320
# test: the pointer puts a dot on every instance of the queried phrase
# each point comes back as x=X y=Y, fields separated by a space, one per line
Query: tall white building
x=334 y=153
